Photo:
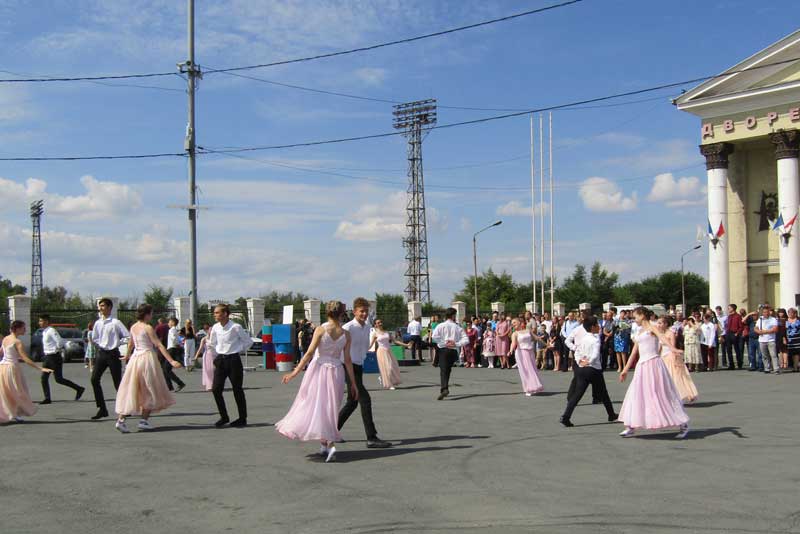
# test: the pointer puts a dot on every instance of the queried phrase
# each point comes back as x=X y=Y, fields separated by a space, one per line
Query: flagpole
x=541 y=197
x=533 y=214
x=552 y=276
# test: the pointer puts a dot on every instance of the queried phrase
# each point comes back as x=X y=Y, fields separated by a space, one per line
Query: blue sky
x=107 y=227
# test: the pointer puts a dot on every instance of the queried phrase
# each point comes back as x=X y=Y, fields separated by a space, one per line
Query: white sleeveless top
x=648 y=346
x=524 y=340
x=10 y=354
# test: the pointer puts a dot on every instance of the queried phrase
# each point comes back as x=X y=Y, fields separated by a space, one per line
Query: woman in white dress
x=387 y=365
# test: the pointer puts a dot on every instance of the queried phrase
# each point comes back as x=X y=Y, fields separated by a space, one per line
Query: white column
x=255 y=315
x=19 y=309
x=181 y=309
x=559 y=309
x=786 y=152
x=414 y=309
x=607 y=306
x=583 y=306
x=313 y=309
x=718 y=272
x=461 y=310
x=373 y=310
x=498 y=307
x=532 y=307
x=114 y=307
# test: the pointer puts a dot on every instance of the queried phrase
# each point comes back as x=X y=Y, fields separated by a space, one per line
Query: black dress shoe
x=102 y=412
x=440 y=397
x=565 y=422
x=222 y=422
x=46 y=401
x=613 y=418
x=378 y=443
x=239 y=423
x=79 y=393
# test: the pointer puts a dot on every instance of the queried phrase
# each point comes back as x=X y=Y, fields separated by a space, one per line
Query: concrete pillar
x=114 y=302
x=679 y=310
x=373 y=310
x=414 y=309
x=787 y=148
x=583 y=306
x=607 y=306
x=560 y=309
x=461 y=310
x=182 y=309
x=255 y=315
x=718 y=270
x=19 y=309
x=532 y=307
x=313 y=311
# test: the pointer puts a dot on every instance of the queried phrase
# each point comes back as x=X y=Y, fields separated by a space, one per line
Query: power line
x=84 y=158
x=95 y=82
x=86 y=78
x=398 y=41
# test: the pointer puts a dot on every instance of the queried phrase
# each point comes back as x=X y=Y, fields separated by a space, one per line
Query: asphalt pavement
x=486 y=459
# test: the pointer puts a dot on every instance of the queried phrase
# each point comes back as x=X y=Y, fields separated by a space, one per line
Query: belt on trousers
x=52 y=354
x=231 y=355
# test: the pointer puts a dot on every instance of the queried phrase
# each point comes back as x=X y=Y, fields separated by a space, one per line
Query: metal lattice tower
x=411 y=118
x=37 y=208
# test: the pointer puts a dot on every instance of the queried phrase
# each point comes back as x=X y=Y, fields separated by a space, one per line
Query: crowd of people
x=711 y=339
x=663 y=350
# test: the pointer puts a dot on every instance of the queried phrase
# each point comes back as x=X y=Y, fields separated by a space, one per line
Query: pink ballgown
x=526 y=363
x=387 y=364
x=209 y=354
x=15 y=400
x=315 y=410
x=143 y=386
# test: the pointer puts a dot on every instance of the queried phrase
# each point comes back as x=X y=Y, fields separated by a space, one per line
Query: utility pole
x=410 y=118
x=37 y=208
x=192 y=72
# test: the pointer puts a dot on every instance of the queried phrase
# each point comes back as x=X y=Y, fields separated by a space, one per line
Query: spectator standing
x=415 y=333
x=709 y=337
x=780 y=339
x=734 y=327
x=91 y=349
x=691 y=345
x=767 y=328
x=753 y=347
x=189 y=345
x=793 y=338
x=175 y=351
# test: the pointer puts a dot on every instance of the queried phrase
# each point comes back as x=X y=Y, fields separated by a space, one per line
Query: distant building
x=750 y=136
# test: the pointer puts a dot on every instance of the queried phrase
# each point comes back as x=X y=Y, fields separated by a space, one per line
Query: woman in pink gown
x=524 y=349
x=15 y=400
x=315 y=411
x=387 y=364
x=652 y=401
x=502 y=341
x=207 y=377
x=143 y=389
x=675 y=364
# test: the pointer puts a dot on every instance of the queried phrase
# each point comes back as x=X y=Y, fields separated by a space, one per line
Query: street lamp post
x=683 y=286
x=475 y=258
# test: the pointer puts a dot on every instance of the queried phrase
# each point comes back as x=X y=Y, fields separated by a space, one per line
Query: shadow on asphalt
x=170 y=428
x=430 y=439
x=708 y=404
x=474 y=395
x=700 y=433
x=343 y=457
x=419 y=386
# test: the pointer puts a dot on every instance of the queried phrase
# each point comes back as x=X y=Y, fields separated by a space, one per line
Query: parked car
x=74 y=347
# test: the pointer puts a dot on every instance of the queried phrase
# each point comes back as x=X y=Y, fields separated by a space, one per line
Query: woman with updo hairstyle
x=315 y=411
x=652 y=401
x=143 y=389
x=15 y=399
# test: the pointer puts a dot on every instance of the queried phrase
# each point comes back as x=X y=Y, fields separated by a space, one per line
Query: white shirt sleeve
x=462 y=337
x=57 y=338
x=245 y=338
x=123 y=332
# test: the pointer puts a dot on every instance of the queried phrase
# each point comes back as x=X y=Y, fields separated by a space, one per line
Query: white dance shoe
x=144 y=424
x=683 y=432
x=331 y=455
x=122 y=427
x=628 y=432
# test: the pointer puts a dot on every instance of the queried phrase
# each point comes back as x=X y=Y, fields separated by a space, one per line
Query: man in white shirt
x=176 y=351
x=572 y=341
x=359 y=329
x=767 y=328
x=51 y=347
x=448 y=337
x=108 y=334
x=414 y=330
x=588 y=371
x=229 y=340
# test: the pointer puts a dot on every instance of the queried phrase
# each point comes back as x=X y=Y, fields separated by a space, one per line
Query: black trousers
x=54 y=362
x=583 y=377
x=363 y=399
x=574 y=384
x=732 y=344
x=106 y=359
x=229 y=366
x=446 y=359
x=169 y=372
x=416 y=347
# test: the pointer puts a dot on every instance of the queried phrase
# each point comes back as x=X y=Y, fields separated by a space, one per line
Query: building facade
x=750 y=137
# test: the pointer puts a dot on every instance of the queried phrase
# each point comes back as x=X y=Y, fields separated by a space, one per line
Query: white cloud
x=387 y=220
x=515 y=208
x=101 y=200
x=603 y=195
x=685 y=191
x=15 y=104
x=371 y=75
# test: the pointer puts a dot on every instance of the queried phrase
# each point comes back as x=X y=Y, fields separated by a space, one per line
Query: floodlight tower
x=412 y=118
x=37 y=208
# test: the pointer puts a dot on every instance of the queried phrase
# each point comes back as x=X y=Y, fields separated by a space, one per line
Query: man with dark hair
x=51 y=347
x=734 y=328
x=229 y=340
x=588 y=370
x=175 y=350
x=359 y=329
x=108 y=334
x=448 y=336
x=414 y=330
